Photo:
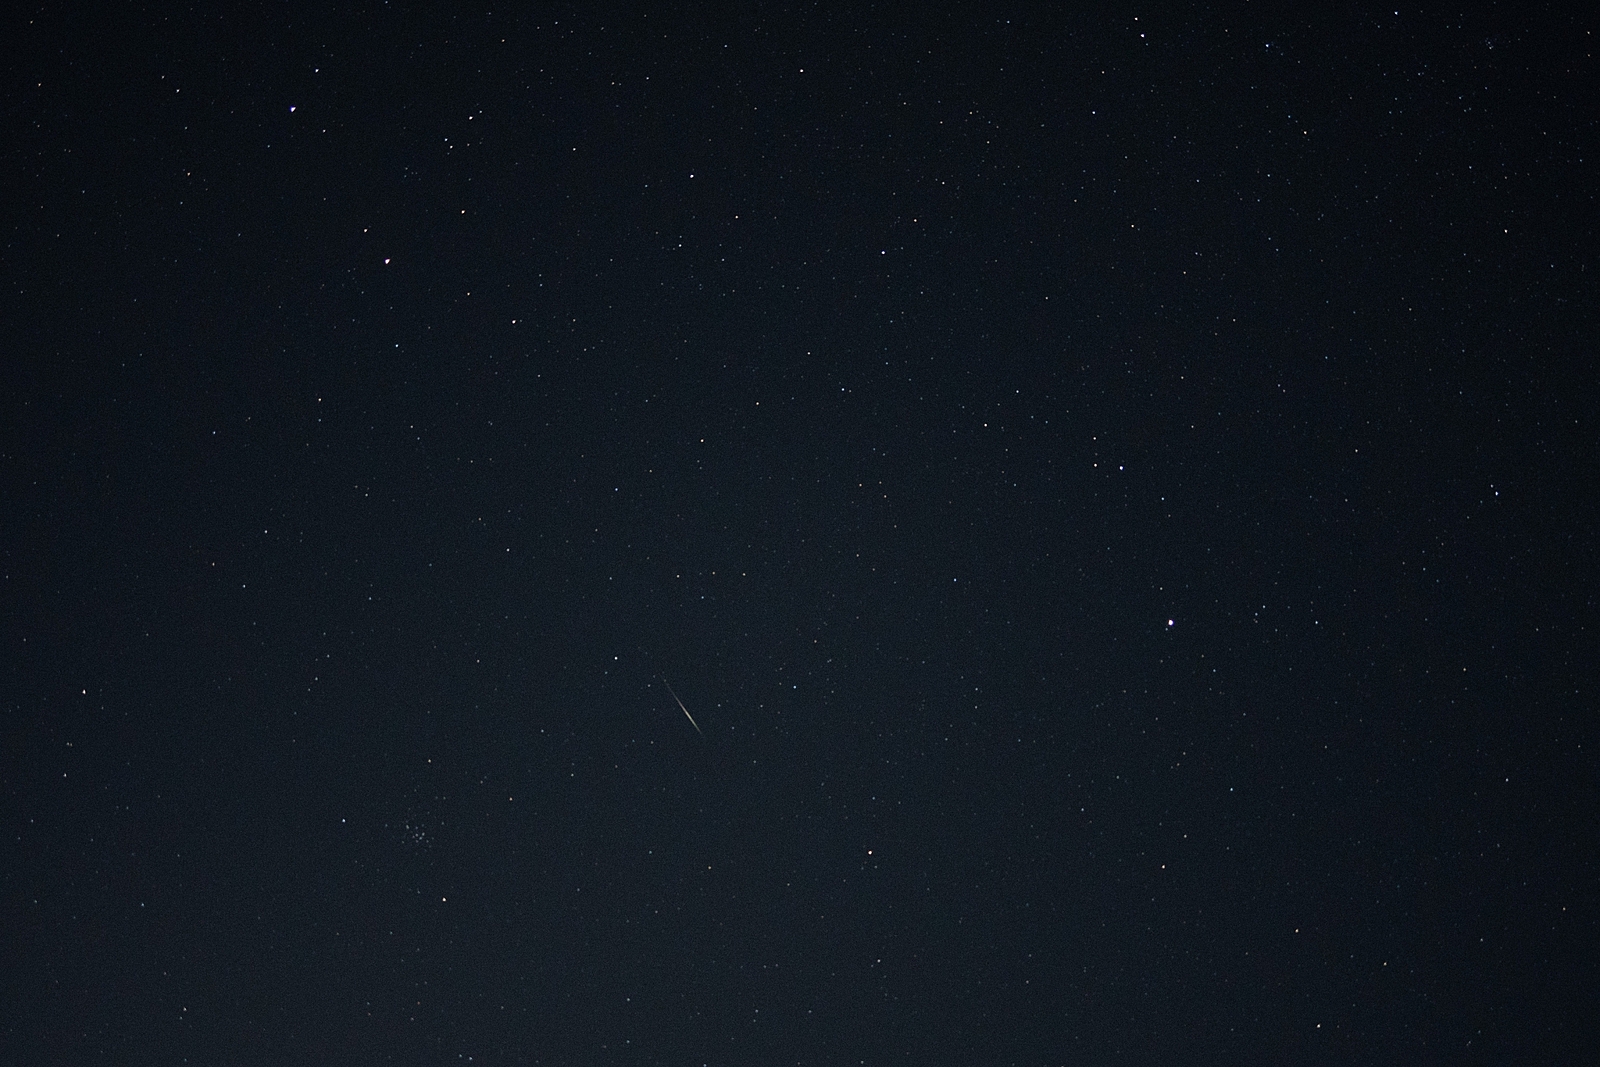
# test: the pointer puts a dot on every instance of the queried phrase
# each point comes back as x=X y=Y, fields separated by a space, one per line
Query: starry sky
x=1113 y=491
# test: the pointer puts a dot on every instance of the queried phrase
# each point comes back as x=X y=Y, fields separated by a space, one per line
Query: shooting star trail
x=685 y=711
x=696 y=725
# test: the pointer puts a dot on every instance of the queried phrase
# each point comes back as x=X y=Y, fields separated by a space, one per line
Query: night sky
x=1115 y=493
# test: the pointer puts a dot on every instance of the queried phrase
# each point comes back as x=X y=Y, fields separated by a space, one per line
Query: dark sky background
x=1115 y=491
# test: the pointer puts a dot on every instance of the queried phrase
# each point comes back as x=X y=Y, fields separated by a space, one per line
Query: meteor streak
x=686 y=714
